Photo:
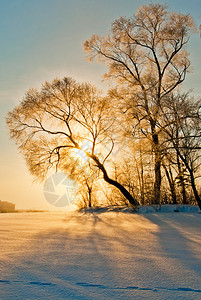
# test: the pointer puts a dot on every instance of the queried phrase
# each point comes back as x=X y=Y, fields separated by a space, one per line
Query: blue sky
x=41 y=40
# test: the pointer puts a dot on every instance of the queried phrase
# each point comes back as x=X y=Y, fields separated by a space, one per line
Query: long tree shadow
x=180 y=243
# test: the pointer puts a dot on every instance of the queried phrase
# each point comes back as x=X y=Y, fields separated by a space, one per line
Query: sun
x=81 y=153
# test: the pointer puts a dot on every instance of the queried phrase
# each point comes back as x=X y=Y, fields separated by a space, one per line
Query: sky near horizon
x=41 y=40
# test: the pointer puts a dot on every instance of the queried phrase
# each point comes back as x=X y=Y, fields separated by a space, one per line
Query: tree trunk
x=157 y=183
x=182 y=181
x=197 y=197
x=141 y=177
x=157 y=168
x=126 y=194
x=89 y=194
x=171 y=184
x=120 y=187
x=89 y=188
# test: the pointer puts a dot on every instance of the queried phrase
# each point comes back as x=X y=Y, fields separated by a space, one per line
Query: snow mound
x=168 y=208
x=143 y=209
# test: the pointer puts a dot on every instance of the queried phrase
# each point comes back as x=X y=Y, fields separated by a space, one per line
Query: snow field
x=110 y=255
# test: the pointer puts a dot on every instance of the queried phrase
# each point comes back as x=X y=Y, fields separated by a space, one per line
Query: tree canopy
x=50 y=125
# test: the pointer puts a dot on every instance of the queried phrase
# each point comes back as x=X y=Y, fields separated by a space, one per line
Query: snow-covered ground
x=98 y=255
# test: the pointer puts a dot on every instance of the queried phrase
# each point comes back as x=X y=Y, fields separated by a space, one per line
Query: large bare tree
x=61 y=126
x=146 y=55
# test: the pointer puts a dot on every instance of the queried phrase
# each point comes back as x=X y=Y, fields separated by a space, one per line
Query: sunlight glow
x=81 y=153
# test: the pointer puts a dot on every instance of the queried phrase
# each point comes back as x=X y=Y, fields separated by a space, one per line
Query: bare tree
x=87 y=179
x=182 y=124
x=64 y=117
x=146 y=54
x=171 y=180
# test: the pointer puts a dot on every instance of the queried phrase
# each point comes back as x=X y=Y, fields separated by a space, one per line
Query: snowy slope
x=107 y=255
